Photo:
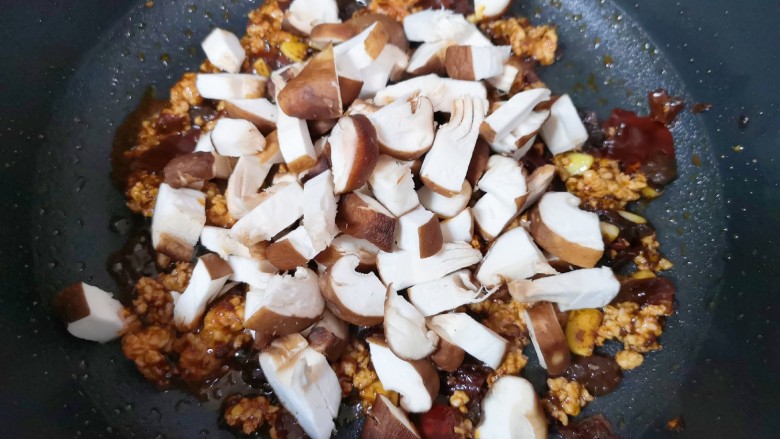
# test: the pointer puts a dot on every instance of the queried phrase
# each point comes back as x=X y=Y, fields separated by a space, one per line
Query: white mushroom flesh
x=564 y=130
x=445 y=207
x=473 y=337
x=392 y=185
x=405 y=329
x=281 y=206
x=511 y=410
x=444 y=167
x=208 y=277
x=458 y=228
x=236 y=137
x=441 y=91
x=304 y=382
x=560 y=212
x=254 y=272
x=225 y=86
x=303 y=15
x=403 y=269
x=512 y=256
x=103 y=321
x=319 y=210
x=224 y=50
x=179 y=217
x=219 y=241
x=445 y=294
x=578 y=289
x=404 y=129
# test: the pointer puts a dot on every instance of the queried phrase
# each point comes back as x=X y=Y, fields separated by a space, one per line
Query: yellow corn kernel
x=578 y=163
x=609 y=231
x=261 y=68
x=581 y=329
x=634 y=218
x=649 y=192
x=294 y=50
x=643 y=274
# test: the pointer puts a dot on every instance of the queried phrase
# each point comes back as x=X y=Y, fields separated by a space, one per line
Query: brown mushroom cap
x=314 y=94
x=269 y=324
x=329 y=336
x=326 y=33
x=350 y=90
x=235 y=111
x=369 y=284
x=459 y=63
x=447 y=356
x=363 y=217
x=429 y=377
x=548 y=335
x=568 y=251
x=190 y=170
x=479 y=161
x=354 y=151
x=284 y=255
x=71 y=303
x=385 y=420
x=394 y=29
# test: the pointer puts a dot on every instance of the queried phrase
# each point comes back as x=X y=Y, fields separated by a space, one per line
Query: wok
x=74 y=70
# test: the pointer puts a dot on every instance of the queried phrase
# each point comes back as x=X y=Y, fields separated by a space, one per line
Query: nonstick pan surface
x=73 y=73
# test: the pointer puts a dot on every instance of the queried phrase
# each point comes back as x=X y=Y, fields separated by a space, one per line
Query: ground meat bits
x=147 y=348
x=249 y=414
x=638 y=328
x=217 y=212
x=141 y=193
x=265 y=37
x=566 y=398
x=504 y=316
x=604 y=185
x=513 y=363
x=203 y=354
x=527 y=41
x=397 y=9
x=178 y=279
x=153 y=304
x=355 y=372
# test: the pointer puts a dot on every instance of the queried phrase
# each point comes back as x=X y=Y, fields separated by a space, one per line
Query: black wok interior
x=73 y=71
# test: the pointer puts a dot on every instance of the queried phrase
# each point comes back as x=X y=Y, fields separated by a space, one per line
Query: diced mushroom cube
x=90 y=313
x=179 y=217
x=224 y=50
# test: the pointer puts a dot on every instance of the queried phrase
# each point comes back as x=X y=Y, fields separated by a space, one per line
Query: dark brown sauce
x=651 y=291
x=133 y=261
x=599 y=374
x=641 y=143
x=170 y=147
x=664 y=108
x=464 y=7
x=594 y=427
x=126 y=136
x=701 y=107
x=439 y=422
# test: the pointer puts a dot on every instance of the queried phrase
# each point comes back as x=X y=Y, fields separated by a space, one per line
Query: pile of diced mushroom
x=374 y=222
